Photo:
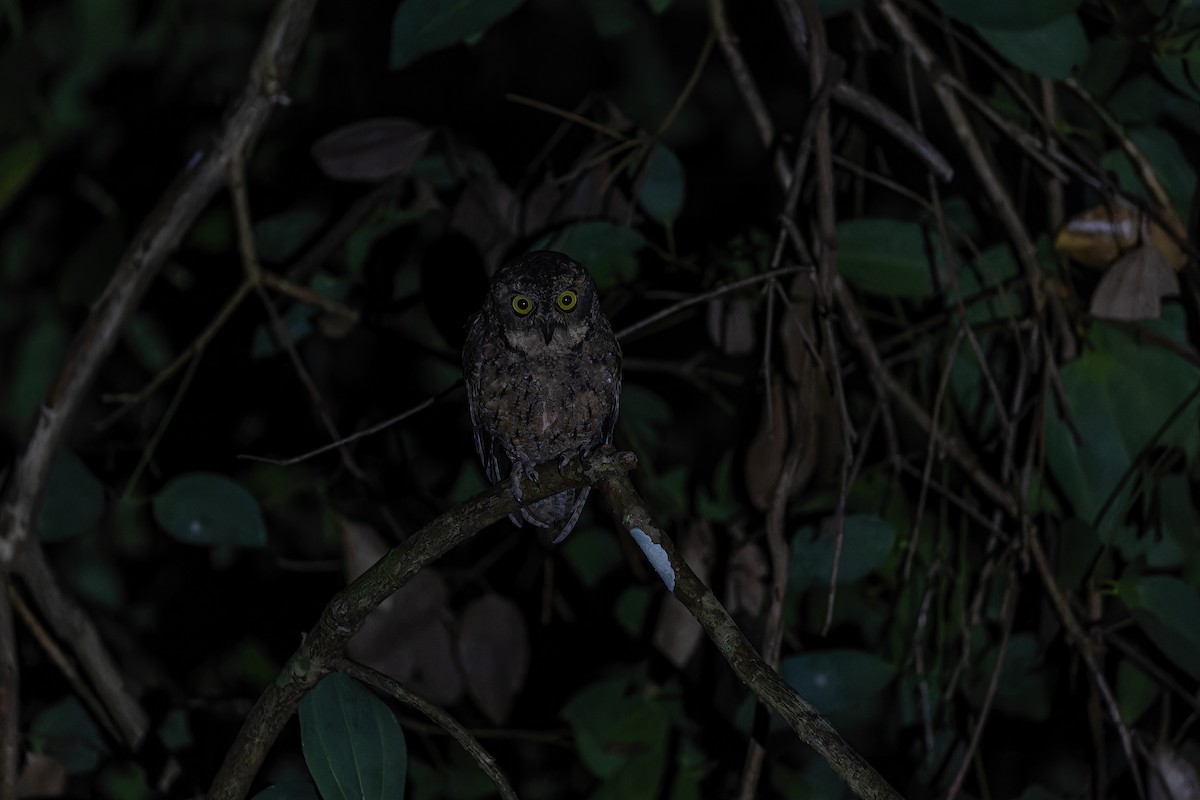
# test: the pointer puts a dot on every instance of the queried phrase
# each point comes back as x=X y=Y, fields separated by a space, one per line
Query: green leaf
x=1012 y=15
x=661 y=191
x=34 y=365
x=1170 y=163
x=1136 y=692
x=297 y=321
x=867 y=542
x=885 y=256
x=279 y=237
x=837 y=680
x=1053 y=50
x=621 y=731
x=123 y=781
x=1166 y=608
x=1023 y=690
x=608 y=250
x=422 y=26
x=74 y=500
x=65 y=731
x=592 y=553
x=631 y=607
x=1178 y=59
x=352 y=743
x=1107 y=58
x=1119 y=393
x=611 y=18
x=644 y=415
x=18 y=162
x=206 y=508
x=150 y=345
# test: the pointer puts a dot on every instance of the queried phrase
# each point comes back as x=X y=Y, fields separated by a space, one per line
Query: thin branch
x=733 y=645
x=1008 y=612
x=387 y=423
x=321 y=649
x=704 y=297
x=159 y=235
x=449 y=724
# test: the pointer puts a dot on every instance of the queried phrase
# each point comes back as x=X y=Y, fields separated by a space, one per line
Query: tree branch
x=749 y=666
x=159 y=235
x=321 y=649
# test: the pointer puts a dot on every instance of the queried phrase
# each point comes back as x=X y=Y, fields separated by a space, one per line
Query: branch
x=321 y=650
x=159 y=235
x=749 y=666
x=397 y=690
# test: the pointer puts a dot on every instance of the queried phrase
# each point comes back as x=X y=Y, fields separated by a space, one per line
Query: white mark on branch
x=657 y=557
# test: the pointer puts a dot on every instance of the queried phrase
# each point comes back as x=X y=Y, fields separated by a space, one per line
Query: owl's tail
x=557 y=513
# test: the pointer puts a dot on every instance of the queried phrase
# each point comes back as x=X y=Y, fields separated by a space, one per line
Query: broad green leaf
x=352 y=743
x=867 y=542
x=1023 y=690
x=1012 y=15
x=423 y=26
x=609 y=250
x=297 y=321
x=592 y=553
x=1053 y=50
x=1179 y=61
x=73 y=502
x=65 y=731
x=885 y=256
x=287 y=791
x=837 y=680
x=1167 y=609
x=18 y=162
x=279 y=237
x=621 y=731
x=611 y=18
x=1136 y=691
x=125 y=780
x=1171 y=165
x=33 y=367
x=644 y=414
x=206 y=508
x=1107 y=58
x=661 y=191
x=1119 y=394
x=631 y=607
x=658 y=6
x=148 y=342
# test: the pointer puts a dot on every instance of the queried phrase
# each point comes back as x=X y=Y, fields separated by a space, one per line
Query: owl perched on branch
x=543 y=375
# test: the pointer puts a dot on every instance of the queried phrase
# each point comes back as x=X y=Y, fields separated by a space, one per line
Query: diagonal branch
x=159 y=235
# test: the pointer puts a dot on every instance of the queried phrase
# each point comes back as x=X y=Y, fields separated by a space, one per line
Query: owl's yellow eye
x=522 y=305
x=567 y=300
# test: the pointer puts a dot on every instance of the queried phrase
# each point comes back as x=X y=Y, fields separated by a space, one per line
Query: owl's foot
x=529 y=472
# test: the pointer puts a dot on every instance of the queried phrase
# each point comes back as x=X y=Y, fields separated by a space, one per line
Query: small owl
x=543 y=374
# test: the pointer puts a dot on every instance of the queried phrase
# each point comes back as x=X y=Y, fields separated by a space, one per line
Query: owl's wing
x=491 y=453
x=613 y=363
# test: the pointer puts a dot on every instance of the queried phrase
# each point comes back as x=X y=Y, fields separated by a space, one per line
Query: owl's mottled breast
x=543 y=375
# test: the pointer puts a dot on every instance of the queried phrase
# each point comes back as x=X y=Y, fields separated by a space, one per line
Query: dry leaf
x=487 y=213
x=372 y=150
x=764 y=456
x=408 y=636
x=42 y=776
x=493 y=651
x=676 y=632
x=1134 y=286
x=746 y=584
x=731 y=325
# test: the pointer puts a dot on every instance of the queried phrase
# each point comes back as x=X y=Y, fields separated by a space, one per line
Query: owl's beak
x=548 y=326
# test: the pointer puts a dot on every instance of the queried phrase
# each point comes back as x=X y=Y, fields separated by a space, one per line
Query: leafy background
x=419 y=149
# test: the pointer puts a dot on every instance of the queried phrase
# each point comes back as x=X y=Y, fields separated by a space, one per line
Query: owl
x=543 y=375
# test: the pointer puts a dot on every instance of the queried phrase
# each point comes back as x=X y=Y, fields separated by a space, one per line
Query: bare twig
x=736 y=649
x=321 y=649
x=675 y=308
x=449 y=724
x=159 y=235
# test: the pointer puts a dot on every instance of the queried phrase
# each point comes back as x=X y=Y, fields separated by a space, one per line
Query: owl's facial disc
x=548 y=324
